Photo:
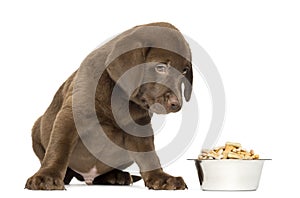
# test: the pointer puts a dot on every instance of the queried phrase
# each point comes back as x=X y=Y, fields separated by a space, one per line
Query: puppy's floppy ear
x=125 y=55
x=188 y=84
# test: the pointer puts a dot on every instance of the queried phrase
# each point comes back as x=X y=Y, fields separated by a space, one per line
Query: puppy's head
x=158 y=62
x=164 y=75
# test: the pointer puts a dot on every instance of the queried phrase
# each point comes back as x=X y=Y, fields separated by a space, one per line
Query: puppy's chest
x=90 y=175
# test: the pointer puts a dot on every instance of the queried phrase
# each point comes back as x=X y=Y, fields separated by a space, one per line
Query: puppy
x=121 y=84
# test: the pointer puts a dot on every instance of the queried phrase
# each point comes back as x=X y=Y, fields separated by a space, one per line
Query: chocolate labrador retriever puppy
x=67 y=146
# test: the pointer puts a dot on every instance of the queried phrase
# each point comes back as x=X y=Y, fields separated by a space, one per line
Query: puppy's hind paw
x=116 y=177
x=44 y=182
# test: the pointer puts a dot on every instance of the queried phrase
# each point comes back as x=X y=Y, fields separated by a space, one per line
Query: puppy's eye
x=161 y=68
x=185 y=70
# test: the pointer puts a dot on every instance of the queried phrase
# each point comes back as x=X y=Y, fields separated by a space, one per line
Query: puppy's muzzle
x=173 y=103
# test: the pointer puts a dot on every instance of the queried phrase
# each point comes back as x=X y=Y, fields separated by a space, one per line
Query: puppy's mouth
x=158 y=106
x=158 y=109
x=153 y=107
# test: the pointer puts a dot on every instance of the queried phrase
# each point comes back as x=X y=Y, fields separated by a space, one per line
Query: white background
x=254 y=44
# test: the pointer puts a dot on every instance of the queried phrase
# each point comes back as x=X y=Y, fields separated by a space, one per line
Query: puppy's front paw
x=164 y=181
x=44 y=182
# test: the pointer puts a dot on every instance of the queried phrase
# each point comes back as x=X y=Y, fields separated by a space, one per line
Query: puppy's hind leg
x=36 y=140
x=54 y=165
x=70 y=174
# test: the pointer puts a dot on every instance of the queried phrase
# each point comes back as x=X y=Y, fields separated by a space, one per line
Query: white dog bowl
x=229 y=174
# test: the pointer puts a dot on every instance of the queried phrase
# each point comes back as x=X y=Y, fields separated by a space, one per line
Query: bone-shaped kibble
x=231 y=150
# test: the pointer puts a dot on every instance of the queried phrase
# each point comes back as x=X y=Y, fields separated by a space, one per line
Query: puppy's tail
x=135 y=178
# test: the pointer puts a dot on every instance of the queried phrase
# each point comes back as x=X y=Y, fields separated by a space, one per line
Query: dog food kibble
x=231 y=150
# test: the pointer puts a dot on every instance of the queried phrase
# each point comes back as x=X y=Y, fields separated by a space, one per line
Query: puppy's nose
x=173 y=103
x=175 y=106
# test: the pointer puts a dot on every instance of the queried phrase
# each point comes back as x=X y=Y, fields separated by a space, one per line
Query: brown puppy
x=66 y=152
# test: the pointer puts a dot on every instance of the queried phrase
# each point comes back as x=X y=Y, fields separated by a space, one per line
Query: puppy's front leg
x=143 y=153
x=53 y=167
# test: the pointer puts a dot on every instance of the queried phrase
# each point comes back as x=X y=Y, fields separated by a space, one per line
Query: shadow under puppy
x=121 y=84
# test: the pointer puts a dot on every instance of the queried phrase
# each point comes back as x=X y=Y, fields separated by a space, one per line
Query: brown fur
x=55 y=139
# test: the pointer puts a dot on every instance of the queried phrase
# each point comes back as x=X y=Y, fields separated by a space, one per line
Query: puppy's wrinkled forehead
x=163 y=38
